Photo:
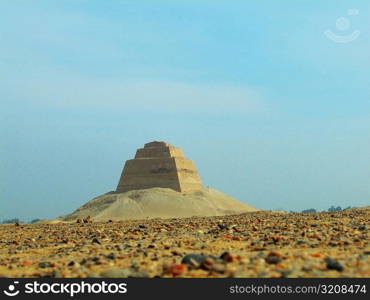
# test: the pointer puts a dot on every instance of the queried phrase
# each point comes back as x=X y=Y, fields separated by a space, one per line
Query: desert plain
x=254 y=244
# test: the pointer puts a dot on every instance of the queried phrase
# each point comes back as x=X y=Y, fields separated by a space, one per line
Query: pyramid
x=159 y=164
x=159 y=183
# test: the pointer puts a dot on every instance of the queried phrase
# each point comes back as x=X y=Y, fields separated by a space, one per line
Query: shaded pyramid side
x=147 y=173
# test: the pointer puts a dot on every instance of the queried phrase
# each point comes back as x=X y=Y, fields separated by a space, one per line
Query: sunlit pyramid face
x=159 y=164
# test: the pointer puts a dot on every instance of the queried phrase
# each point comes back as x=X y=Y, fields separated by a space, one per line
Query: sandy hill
x=159 y=202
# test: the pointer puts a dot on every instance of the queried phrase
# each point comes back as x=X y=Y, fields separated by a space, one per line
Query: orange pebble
x=178 y=269
x=316 y=255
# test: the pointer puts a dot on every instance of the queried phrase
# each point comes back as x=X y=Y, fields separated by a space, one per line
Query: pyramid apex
x=156 y=144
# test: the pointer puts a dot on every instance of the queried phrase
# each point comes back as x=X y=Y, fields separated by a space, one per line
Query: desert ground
x=255 y=244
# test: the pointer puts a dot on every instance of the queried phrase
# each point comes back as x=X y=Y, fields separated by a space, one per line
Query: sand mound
x=159 y=202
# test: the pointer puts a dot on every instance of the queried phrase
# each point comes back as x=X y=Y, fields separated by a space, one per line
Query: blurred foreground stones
x=257 y=244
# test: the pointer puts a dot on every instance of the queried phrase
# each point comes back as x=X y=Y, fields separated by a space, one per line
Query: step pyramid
x=159 y=164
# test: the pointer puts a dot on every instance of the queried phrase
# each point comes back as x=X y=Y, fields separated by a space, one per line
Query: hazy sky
x=272 y=111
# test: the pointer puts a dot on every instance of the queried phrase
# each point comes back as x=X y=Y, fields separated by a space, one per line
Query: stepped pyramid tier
x=162 y=165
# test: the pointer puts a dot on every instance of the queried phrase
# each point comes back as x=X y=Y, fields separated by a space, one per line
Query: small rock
x=177 y=269
x=26 y=263
x=362 y=227
x=111 y=256
x=273 y=258
x=45 y=265
x=96 y=241
x=119 y=247
x=175 y=252
x=333 y=264
x=222 y=227
x=227 y=257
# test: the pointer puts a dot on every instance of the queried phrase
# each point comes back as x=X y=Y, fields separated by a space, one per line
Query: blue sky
x=271 y=110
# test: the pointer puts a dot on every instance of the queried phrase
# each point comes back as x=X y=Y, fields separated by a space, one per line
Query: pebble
x=273 y=258
x=45 y=265
x=111 y=256
x=177 y=269
x=333 y=264
x=96 y=241
x=227 y=257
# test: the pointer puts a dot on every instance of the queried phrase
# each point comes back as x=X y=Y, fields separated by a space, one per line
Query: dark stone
x=96 y=241
x=95 y=259
x=111 y=256
x=226 y=257
x=222 y=227
x=273 y=258
x=333 y=264
x=44 y=265
x=119 y=247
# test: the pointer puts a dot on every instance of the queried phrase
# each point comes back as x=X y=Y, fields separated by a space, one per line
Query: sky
x=273 y=110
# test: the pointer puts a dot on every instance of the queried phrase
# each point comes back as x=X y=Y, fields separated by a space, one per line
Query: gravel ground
x=259 y=244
